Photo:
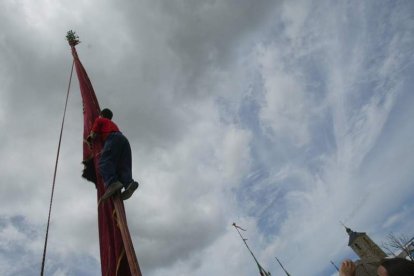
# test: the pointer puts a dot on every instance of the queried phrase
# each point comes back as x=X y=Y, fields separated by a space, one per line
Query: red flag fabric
x=112 y=251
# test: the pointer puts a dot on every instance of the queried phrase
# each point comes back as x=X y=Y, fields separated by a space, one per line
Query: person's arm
x=90 y=138
x=92 y=135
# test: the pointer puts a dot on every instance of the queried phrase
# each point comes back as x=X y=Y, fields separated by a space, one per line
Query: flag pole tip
x=72 y=38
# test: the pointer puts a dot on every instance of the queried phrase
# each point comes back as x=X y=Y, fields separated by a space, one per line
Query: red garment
x=104 y=127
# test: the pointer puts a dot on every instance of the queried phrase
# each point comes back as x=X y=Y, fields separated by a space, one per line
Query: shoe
x=112 y=189
x=129 y=190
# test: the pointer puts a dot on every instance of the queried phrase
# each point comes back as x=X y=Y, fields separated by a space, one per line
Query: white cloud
x=295 y=15
x=285 y=109
x=235 y=154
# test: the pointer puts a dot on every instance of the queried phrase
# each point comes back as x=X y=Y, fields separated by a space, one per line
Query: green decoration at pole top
x=72 y=38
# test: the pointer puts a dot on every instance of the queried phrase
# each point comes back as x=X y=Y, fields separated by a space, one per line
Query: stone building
x=368 y=251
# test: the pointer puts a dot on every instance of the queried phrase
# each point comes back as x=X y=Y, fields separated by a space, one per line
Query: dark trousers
x=116 y=160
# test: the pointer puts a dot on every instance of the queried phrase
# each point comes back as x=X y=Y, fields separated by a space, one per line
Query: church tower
x=369 y=252
x=364 y=247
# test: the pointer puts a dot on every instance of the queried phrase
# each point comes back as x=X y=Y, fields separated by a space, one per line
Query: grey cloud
x=161 y=65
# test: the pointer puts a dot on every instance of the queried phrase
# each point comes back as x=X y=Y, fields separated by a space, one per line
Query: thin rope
x=54 y=175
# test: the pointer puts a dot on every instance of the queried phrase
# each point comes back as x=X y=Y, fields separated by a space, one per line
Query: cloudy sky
x=285 y=117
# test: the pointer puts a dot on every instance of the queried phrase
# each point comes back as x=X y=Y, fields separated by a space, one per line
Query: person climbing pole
x=115 y=163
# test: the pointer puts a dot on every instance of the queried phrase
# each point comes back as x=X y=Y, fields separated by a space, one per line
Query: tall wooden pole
x=115 y=234
x=126 y=237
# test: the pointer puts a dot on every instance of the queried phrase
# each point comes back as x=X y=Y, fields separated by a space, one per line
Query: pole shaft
x=126 y=237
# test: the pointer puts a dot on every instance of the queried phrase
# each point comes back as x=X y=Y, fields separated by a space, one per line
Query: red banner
x=113 y=258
